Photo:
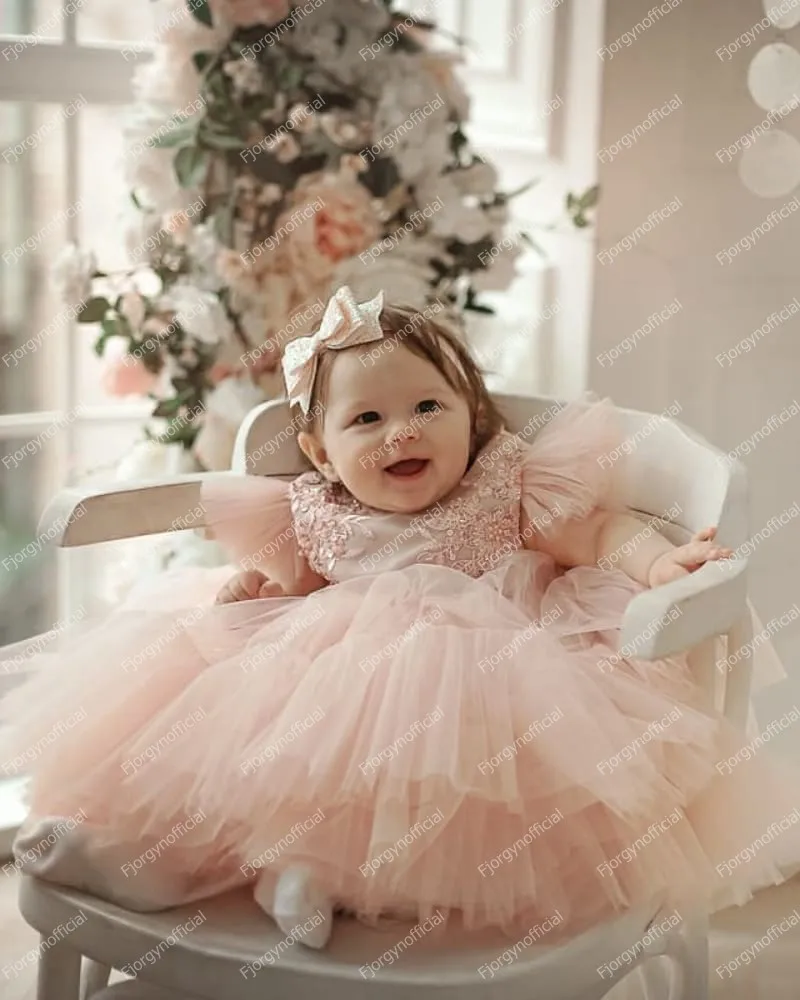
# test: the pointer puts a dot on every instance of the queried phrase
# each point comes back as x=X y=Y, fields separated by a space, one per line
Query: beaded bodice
x=471 y=529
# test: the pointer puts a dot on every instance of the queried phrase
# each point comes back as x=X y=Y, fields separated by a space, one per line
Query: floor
x=773 y=974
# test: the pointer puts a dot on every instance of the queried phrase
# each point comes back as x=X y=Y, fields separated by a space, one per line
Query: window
x=526 y=71
x=63 y=87
x=61 y=148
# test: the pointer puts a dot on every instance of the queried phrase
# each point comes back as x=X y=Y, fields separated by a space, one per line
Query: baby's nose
x=403 y=432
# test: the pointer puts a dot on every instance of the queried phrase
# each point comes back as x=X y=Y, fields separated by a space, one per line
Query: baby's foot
x=48 y=849
x=293 y=901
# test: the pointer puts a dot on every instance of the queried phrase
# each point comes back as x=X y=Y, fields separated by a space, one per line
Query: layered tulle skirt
x=427 y=742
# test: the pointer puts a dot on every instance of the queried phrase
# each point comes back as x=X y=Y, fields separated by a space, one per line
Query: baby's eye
x=368 y=417
x=429 y=406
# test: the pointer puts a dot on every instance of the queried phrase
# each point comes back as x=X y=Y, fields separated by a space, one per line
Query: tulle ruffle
x=425 y=741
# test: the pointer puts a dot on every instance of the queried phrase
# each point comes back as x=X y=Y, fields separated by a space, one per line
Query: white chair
x=669 y=467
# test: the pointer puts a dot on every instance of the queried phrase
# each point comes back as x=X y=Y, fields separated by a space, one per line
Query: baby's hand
x=687 y=558
x=248 y=586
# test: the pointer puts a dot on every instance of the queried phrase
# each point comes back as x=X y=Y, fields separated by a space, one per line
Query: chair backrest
x=667 y=465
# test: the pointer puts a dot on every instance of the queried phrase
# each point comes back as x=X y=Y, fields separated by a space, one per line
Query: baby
x=398 y=429
x=407 y=711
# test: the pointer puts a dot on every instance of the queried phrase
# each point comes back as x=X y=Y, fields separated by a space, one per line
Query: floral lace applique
x=326 y=517
x=479 y=526
x=472 y=530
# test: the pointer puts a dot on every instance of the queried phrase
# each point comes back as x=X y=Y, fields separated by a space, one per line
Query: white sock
x=293 y=901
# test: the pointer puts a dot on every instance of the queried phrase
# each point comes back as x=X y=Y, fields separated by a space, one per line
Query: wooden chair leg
x=59 y=974
x=95 y=978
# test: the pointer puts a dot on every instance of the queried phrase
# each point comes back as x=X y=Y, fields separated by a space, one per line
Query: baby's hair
x=441 y=346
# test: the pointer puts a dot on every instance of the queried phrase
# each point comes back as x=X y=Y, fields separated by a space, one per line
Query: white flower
x=245 y=74
x=226 y=407
x=148 y=169
x=200 y=313
x=146 y=282
x=480 y=179
x=269 y=194
x=498 y=215
x=403 y=273
x=232 y=400
x=287 y=148
x=334 y=33
x=132 y=308
x=203 y=248
x=146 y=460
x=442 y=67
x=140 y=233
x=72 y=274
x=500 y=273
x=411 y=119
x=453 y=218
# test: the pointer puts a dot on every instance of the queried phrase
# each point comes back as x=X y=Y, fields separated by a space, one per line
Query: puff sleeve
x=570 y=467
x=251 y=518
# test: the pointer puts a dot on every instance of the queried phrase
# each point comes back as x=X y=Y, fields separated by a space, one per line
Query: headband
x=345 y=323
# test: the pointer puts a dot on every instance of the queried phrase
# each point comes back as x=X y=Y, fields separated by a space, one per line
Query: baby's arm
x=618 y=540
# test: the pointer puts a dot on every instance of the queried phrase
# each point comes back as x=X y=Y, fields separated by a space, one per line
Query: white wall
x=721 y=304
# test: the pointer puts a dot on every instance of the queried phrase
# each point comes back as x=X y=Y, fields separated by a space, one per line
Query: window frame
x=43 y=73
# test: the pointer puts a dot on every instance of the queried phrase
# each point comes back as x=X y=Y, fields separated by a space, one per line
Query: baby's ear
x=317 y=455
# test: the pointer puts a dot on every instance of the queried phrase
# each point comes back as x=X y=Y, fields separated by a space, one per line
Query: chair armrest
x=78 y=516
x=678 y=615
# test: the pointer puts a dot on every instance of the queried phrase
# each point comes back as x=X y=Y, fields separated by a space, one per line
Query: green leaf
x=201 y=60
x=112 y=327
x=136 y=203
x=580 y=221
x=521 y=190
x=191 y=164
x=457 y=140
x=167 y=407
x=218 y=139
x=572 y=201
x=473 y=306
x=291 y=77
x=94 y=310
x=223 y=222
x=100 y=344
x=201 y=11
x=176 y=137
x=590 y=197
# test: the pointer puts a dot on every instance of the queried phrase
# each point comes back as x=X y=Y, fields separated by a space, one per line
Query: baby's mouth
x=407 y=468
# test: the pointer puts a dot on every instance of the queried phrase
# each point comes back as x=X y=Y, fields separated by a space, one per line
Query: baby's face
x=395 y=432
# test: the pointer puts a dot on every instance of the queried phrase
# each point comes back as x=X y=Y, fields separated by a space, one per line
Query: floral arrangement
x=318 y=144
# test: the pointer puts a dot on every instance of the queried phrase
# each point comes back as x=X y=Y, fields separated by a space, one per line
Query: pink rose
x=126 y=376
x=220 y=371
x=245 y=13
x=330 y=219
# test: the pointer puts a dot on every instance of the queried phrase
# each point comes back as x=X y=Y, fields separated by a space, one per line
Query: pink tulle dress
x=437 y=730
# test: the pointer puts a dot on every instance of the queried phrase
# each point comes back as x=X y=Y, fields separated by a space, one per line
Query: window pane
x=113 y=21
x=27 y=562
x=101 y=226
x=97 y=447
x=44 y=18
x=34 y=224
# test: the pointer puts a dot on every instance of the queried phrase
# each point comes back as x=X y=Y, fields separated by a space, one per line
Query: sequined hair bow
x=345 y=323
